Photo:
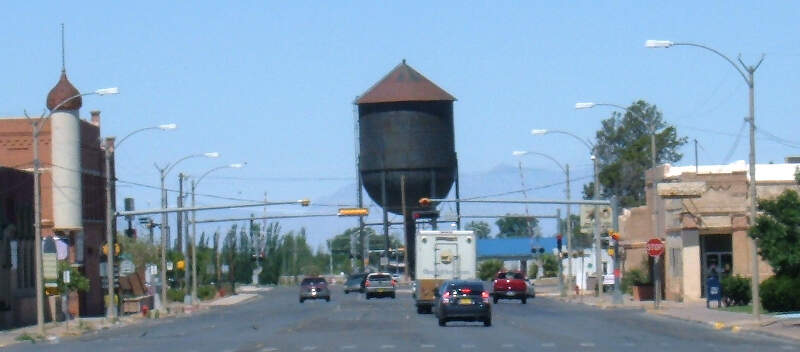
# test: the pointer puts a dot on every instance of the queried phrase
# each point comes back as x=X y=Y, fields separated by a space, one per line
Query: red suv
x=510 y=285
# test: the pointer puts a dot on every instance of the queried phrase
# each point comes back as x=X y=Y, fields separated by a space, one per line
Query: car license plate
x=313 y=293
x=380 y=290
x=465 y=301
x=509 y=293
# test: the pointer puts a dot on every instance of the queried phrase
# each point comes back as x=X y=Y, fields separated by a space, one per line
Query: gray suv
x=314 y=288
x=379 y=285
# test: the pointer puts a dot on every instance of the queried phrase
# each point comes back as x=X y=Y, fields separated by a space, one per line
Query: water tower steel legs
x=385 y=217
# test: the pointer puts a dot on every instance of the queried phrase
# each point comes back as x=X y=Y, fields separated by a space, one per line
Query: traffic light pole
x=615 y=225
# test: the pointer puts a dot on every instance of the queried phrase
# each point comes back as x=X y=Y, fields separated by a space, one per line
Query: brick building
x=16 y=248
x=72 y=186
x=701 y=234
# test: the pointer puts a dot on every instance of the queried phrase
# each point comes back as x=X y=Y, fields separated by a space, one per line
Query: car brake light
x=485 y=296
x=366 y=284
x=446 y=297
x=466 y=291
x=394 y=283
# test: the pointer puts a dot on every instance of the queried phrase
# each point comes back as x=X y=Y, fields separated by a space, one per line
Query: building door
x=717 y=257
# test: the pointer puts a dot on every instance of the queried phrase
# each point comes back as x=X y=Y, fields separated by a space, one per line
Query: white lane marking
x=549 y=344
x=269 y=349
x=507 y=345
x=788 y=348
x=467 y=346
x=587 y=344
x=629 y=344
x=386 y=347
x=309 y=348
x=349 y=347
x=427 y=346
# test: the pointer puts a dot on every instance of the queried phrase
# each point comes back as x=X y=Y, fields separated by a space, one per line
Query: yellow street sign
x=353 y=212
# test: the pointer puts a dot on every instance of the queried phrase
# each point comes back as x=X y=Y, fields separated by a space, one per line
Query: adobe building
x=704 y=233
x=72 y=185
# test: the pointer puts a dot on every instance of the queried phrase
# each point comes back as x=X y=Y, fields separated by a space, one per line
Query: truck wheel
x=302 y=300
x=524 y=300
x=487 y=321
x=442 y=322
x=393 y=295
x=346 y=291
x=420 y=310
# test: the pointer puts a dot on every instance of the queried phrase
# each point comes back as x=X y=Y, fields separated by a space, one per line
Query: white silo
x=66 y=155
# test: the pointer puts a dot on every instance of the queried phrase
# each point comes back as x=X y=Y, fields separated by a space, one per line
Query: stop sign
x=655 y=247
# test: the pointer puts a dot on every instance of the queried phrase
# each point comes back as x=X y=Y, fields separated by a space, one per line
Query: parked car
x=510 y=285
x=379 y=285
x=314 y=288
x=355 y=283
x=463 y=300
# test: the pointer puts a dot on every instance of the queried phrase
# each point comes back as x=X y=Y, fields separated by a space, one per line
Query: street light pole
x=163 y=171
x=564 y=168
x=747 y=72
x=37 y=226
x=593 y=150
x=110 y=208
x=194 y=225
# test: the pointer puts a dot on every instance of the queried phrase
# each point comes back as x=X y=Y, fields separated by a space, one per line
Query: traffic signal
x=558 y=242
x=130 y=232
x=424 y=202
x=426 y=214
x=614 y=235
x=305 y=202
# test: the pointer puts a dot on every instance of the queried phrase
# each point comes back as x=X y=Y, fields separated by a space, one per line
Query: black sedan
x=463 y=300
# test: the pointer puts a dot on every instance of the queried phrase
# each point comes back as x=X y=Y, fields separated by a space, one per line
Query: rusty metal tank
x=406 y=128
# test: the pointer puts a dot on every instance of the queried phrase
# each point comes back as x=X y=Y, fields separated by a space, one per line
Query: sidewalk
x=54 y=331
x=697 y=312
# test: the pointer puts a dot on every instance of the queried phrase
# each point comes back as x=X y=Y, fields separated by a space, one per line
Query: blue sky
x=273 y=84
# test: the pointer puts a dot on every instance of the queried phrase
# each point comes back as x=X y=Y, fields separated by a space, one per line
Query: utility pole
x=179 y=217
x=696 y=163
x=569 y=233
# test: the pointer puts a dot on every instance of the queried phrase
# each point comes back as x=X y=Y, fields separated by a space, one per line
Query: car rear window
x=510 y=276
x=313 y=280
x=471 y=288
x=380 y=277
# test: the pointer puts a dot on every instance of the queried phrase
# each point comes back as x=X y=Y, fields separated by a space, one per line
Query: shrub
x=550 y=265
x=206 y=292
x=736 y=290
x=780 y=294
x=489 y=268
x=533 y=270
x=176 y=294
x=633 y=277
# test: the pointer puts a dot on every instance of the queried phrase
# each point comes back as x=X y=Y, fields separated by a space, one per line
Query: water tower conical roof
x=404 y=83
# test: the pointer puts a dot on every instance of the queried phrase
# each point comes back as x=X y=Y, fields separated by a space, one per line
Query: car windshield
x=313 y=281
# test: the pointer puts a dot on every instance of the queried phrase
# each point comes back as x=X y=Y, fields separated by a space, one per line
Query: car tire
x=442 y=322
x=420 y=310
x=368 y=296
x=495 y=299
x=487 y=321
x=346 y=291
x=524 y=300
x=327 y=299
x=302 y=300
x=393 y=295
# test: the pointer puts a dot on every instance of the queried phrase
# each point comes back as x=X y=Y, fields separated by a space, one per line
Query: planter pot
x=643 y=292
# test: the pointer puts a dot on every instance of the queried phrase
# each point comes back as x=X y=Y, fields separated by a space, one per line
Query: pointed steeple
x=64 y=89
x=404 y=83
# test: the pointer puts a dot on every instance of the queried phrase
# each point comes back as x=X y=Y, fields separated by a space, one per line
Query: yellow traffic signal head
x=425 y=202
x=304 y=202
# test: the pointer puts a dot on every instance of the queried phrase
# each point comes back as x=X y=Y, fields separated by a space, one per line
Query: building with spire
x=73 y=202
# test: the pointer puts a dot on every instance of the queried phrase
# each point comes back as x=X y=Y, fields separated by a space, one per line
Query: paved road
x=277 y=322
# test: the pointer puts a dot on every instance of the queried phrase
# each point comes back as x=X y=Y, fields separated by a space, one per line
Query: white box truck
x=441 y=256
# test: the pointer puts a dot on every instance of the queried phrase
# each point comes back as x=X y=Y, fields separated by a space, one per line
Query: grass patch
x=744 y=309
x=26 y=337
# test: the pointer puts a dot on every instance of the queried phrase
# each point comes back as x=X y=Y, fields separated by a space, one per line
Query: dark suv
x=314 y=288
x=463 y=300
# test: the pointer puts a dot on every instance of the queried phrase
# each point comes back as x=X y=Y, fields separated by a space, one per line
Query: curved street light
x=163 y=171
x=37 y=126
x=593 y=150
x=747 y=72
x=565 y=169
x=194 y=225
x=108 y=152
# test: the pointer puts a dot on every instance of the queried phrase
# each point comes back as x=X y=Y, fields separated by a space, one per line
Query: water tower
x=406 y=132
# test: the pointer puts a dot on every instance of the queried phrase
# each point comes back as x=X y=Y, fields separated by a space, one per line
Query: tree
x=481 y=228
x=510 y=226
x=623 y=152
x=487 y=269
x=778 y=233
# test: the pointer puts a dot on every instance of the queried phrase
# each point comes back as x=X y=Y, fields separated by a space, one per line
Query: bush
x=550 y=265
x=533 y=270
x=489 y=268
x=206 y=292
x=780 y=294
x=736 y=291
x=633 y=277
x=176 y=294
